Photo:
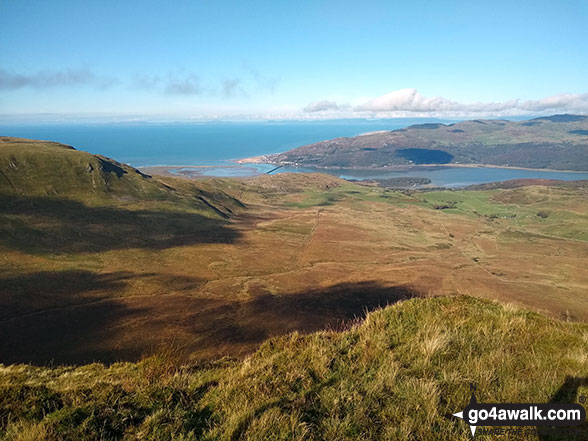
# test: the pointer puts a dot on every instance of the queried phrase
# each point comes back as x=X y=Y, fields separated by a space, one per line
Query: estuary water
x=217 y=144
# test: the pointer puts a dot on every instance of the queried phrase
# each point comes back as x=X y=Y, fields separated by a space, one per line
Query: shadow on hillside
x=29 y=293
x=75 y=316
x=126 y=328
x=44 y=225
x=44 y=290
x=567 y=393
x=267 y=315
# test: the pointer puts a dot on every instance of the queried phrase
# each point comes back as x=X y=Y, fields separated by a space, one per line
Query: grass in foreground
x=398 y=375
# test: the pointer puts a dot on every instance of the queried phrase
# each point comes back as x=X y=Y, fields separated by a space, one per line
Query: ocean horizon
x=219 y=144
x=142 y=144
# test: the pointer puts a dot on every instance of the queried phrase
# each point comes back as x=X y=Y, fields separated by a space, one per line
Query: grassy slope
x=398 y=375
x=55 y=198
x=44 y=169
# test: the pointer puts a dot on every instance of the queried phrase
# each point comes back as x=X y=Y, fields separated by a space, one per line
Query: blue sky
x=303 y=59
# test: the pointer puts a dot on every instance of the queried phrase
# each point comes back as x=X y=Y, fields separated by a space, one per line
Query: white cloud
x=410 y=103
x=407 y=100
x=321 y=106
x=571 y=101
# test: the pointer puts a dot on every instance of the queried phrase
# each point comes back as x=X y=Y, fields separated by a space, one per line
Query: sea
x=216 y=145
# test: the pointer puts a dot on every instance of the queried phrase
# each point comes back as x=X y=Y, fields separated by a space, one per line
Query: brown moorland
x=216 y=267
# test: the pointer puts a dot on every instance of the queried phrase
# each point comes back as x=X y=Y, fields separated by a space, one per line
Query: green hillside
x=31 y=168
x=399 y=375
x=555 y=142
x=56 y=199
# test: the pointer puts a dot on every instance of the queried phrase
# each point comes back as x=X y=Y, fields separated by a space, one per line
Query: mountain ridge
x=558 y=142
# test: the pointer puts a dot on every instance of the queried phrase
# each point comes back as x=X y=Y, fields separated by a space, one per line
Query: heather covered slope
x=556 y=142
x=399 y=375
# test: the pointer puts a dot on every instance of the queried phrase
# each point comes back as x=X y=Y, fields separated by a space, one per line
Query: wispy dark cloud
x=179 y=82
x=47 y=79
x=145 y=82
x=232 y=87
x=183 y=84
x=189 y=83
x=175 y=83
x=263 y=82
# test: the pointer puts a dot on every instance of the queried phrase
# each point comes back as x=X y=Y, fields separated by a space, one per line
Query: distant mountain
x=556 y=142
